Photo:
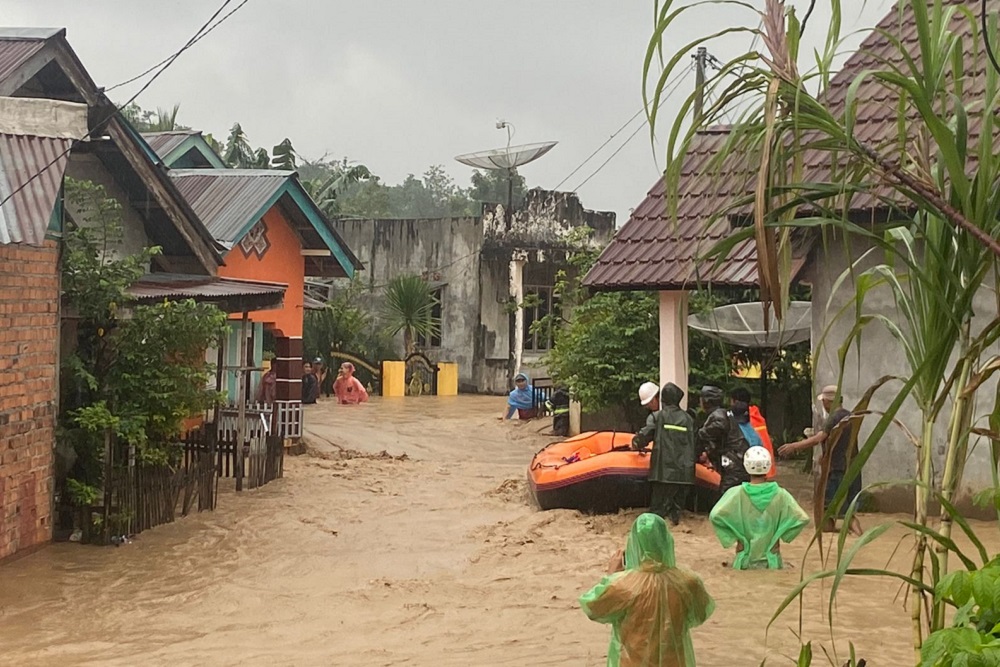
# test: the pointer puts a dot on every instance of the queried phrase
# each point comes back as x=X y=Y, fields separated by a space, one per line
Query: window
x=538 y=303
x=434 y=341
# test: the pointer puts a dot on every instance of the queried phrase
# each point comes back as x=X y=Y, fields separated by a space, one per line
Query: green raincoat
x=758 y=516
x=652 y=605
x=672 y=432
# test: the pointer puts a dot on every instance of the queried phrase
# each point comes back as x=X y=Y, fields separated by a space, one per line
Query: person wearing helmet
x=650 y=603
x=671 y=465
x=756 y=516
x=649 y=397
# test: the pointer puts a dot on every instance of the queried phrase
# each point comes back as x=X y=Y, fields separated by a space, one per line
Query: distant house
x=653 y=251
x=48 y=102
x=482 y=269
x=270 y=229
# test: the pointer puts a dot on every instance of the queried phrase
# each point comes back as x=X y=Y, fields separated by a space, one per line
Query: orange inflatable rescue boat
x=598 y=472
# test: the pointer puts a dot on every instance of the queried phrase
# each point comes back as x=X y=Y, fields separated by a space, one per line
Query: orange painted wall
x=282 y=263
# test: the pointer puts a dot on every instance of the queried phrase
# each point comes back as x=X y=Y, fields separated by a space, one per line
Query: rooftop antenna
x=508 y=158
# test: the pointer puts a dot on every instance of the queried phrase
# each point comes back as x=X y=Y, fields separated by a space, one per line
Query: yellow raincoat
x=652 y=605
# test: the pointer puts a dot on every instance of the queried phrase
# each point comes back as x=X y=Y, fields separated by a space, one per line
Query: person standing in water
x=839 y=455
x=756 y=516
x=521 y=399
x=310 y=385
x=671 y=466
x=348 y=389
x=721 y=439
x=650 y=603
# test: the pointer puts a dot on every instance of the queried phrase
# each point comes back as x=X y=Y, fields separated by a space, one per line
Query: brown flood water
x=434 y=559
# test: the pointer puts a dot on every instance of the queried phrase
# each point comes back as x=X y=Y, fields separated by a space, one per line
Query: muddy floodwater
x=406 y=537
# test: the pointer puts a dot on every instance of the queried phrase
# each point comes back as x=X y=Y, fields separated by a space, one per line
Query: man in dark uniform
x=671 y=468
x=721 y=439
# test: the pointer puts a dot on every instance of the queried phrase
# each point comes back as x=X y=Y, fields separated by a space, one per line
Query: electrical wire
x=610 y=139
x=192 y=42
x=166 y=64
x=678 y=81
x=986 y=39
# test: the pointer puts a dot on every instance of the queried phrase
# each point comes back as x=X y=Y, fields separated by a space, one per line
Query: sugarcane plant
x=935 y=247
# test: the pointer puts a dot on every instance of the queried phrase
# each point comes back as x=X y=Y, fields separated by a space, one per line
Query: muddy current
x=406 y=536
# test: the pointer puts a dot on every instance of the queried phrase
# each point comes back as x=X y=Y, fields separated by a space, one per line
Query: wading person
x=348 y=389
x=310 y=385
x=721 y=440
x=757 y=516
x=521 y=400
x=754 y=429
x=838 y=455
x=671 y=465
x=649 y=602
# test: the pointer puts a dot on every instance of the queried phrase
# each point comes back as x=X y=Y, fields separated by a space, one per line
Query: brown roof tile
x=652 y=251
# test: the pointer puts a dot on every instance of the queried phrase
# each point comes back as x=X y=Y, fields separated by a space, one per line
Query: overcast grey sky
x=401 y=85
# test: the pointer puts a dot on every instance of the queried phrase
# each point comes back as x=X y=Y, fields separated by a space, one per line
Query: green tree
x=327 y=182
x=239 y=154
x=409 y=307
x=490 y=187
x=284 y=156
x=138 y=370
x=938 y=178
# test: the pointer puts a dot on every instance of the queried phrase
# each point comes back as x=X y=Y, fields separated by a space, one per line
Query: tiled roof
x=652 y=251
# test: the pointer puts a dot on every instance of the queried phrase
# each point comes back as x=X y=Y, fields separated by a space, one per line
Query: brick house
x=32 y=133
x=48 y=102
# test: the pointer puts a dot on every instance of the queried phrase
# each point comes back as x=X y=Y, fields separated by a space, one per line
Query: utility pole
x=700 y=65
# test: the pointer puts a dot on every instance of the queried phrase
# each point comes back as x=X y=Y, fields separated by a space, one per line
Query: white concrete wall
x=86 y=167
x=879 y=355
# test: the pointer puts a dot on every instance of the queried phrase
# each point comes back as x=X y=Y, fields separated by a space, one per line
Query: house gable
x=184 y=149
x=42 y=64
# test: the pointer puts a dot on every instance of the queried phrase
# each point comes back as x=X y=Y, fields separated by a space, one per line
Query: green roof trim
x=197 y=143
x=293 y=188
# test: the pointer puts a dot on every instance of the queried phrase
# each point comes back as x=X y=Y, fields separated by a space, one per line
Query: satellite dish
x=510 y=157
x=743 y=324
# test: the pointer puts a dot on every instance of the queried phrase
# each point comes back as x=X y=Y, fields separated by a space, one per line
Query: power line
x=611 y=138
x=192 y=42
x=166 y=64
x=678 y=81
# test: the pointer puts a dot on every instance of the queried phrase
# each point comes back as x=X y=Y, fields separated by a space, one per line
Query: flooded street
x=405 y=537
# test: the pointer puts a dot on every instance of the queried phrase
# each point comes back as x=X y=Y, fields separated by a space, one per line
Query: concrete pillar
x=517 y=262
x=674 y=340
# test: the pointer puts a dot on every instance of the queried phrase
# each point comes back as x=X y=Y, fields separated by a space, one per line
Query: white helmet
x=757 y=461
x=647 y=392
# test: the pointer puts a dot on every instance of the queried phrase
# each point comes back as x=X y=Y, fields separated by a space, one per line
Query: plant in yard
x=137 y=371
x=931 y=176
x=409 y=307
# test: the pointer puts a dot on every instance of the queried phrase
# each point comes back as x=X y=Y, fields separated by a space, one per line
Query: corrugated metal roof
x=17 y=45
x=164 y=142
x=652 y=252
x=213 y=289
x=24 y=218
x=227 y=200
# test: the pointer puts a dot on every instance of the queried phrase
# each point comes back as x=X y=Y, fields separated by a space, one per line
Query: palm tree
x=936 y=177
x=409 y=306
x=325 y=191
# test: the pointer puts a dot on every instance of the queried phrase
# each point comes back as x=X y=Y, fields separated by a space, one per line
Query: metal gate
x=421 y=375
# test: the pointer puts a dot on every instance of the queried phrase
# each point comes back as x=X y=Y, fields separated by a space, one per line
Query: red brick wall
x=29 y=340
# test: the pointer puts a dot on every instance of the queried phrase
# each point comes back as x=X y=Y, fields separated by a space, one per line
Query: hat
x=757 y=461
x=829 y=392
x=647 y=392
x=711 y=394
